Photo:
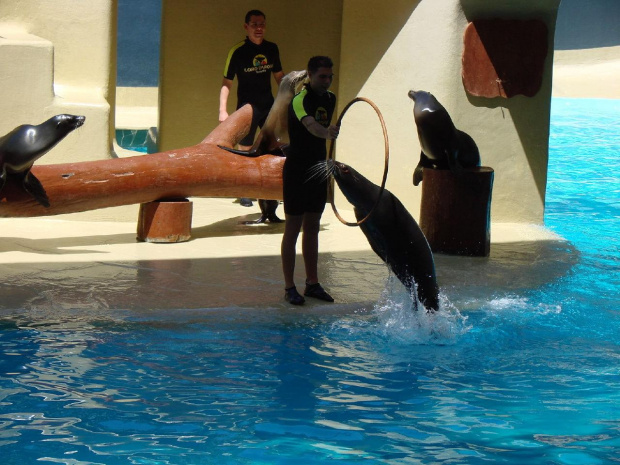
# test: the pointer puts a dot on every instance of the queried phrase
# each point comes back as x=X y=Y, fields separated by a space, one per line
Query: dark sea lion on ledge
x=273 y=136
x=25 y=144
x=392 y=233
x=443 y=145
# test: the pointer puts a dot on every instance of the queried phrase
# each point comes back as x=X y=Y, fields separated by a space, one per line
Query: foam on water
x=398 y=319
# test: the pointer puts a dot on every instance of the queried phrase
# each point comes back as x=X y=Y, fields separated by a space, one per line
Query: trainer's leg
x=288 y=249
x=310 y=246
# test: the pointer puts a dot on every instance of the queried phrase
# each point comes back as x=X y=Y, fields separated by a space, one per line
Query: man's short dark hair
x=319 y=62
x=251 y=13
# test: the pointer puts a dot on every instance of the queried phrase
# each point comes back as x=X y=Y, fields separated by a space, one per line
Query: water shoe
x=316 y=290
x=291 y=295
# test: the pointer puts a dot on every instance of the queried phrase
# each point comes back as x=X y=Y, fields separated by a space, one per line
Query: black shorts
x=300 y=194
x=258 y=120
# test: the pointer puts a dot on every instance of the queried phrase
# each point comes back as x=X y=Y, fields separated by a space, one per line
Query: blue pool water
x=526 y=376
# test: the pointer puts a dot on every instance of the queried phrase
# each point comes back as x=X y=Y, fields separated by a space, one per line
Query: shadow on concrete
x=356 y=279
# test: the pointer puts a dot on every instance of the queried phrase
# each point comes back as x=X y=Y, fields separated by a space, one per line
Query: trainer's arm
x=224 y=93
x=317 y=130
x=278 y=77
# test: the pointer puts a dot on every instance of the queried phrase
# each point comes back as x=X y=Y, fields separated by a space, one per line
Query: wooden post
x=455 y=213
x=165 y=221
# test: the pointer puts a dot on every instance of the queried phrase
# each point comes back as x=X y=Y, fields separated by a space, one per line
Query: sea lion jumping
x=392 y=233
x=273 y=136
x=443 y=145
x=25 y=144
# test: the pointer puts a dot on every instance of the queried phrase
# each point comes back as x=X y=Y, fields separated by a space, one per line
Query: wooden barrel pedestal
x=165 y=221
x=455 y=213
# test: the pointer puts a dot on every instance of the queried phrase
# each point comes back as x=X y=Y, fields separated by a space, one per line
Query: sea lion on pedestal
x=443 y=145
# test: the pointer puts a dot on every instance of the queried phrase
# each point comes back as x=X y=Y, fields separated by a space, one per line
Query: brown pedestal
x=165 y=221
x=455 y=214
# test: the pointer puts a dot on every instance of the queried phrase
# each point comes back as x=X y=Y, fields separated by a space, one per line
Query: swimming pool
x=508 y=374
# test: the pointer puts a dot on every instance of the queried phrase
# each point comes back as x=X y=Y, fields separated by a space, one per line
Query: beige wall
x=195 y=43
x=418 y=45
x=59 y=57
x=381 y=52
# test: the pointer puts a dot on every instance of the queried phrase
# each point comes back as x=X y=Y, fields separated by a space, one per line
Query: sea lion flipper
x=418 y=173
x=34 y=187
x=2 y=178
x=245 y=153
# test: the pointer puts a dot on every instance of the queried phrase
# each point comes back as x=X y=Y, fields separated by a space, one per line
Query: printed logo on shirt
x=259 y=65
x=260 y=60
x=321 y=116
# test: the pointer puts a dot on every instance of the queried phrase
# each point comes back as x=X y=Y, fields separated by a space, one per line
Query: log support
x=165 y=221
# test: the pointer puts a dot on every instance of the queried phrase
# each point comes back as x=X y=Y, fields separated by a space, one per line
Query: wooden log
x=455 y=212
x=202 y=170
x=166 y=221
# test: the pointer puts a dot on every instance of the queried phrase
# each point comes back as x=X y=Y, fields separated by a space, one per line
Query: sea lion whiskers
x=321 y=171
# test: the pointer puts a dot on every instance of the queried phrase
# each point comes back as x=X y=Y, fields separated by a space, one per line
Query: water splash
x=398 y=319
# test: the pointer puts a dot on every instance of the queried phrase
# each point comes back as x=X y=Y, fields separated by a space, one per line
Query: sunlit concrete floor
x=70 y=263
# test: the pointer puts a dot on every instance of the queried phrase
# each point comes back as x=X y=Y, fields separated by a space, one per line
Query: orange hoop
x=330 y=156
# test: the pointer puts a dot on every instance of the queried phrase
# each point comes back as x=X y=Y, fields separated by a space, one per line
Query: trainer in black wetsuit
x=253 y=61
x=309 y=128
x=301 y=192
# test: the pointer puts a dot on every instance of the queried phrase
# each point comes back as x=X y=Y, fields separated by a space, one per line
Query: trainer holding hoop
x=309 y=117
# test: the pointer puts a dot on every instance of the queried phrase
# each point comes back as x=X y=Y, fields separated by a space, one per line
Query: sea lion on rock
x=273 y=136
x=392 y=233
x=443 y=145
x=25 y=144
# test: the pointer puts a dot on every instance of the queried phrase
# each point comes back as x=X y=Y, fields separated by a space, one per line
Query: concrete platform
x=65 y=263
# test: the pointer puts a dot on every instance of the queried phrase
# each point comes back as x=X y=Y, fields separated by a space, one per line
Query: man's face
x=321 y=80
x=256 y=28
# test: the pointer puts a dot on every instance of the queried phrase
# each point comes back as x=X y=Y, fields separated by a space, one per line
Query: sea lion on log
x=273 y=136
x=25 y=144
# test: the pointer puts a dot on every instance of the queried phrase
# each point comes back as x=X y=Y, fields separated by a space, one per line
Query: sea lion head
x=21 y=147
x=425 y=104
x=66 y=123
x=359 y=191
x=292 y=79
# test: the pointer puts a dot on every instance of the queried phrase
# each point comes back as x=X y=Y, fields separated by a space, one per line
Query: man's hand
x=332 y=132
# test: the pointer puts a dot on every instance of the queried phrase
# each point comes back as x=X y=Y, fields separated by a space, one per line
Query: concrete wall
x=58 y=57
x=195 y=43
x=420 y=47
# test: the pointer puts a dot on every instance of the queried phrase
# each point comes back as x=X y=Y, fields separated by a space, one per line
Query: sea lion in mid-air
x=25 y=144
x=443 y=145
x=273 y=136
x=392 y=233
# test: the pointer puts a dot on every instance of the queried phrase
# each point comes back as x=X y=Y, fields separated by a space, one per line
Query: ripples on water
x=531 y=377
